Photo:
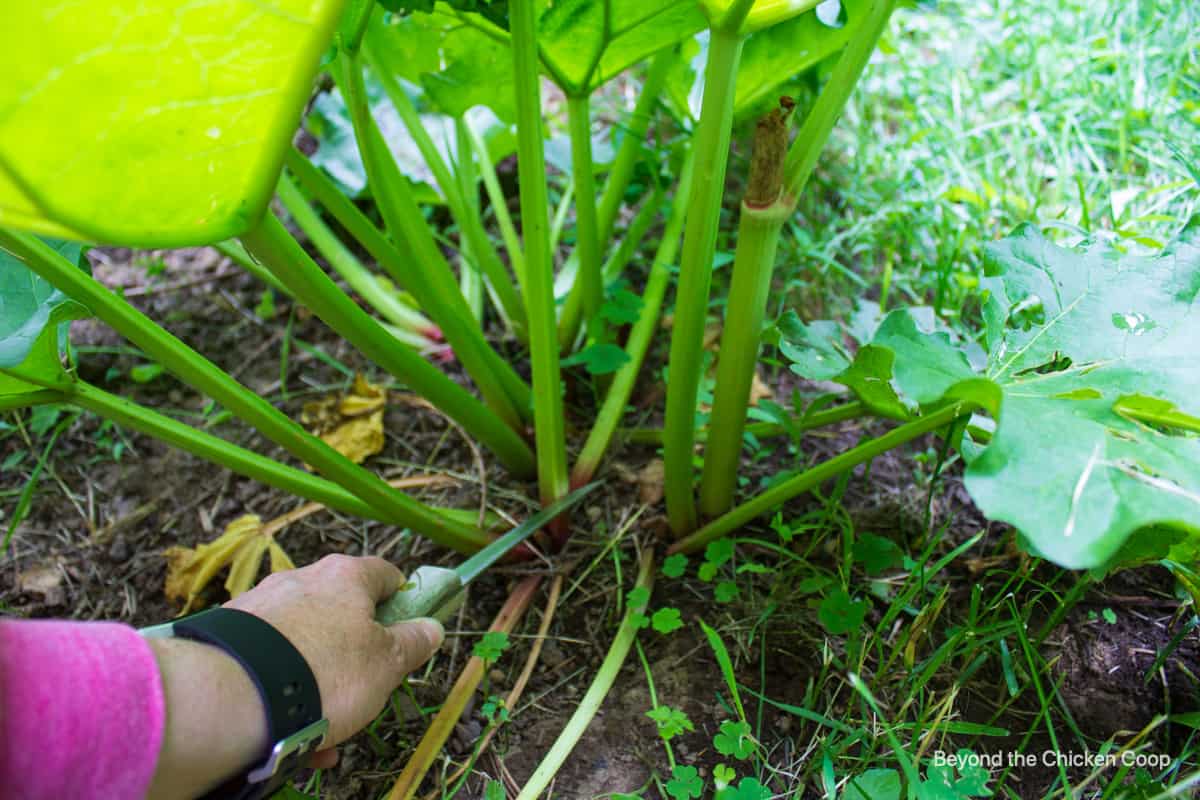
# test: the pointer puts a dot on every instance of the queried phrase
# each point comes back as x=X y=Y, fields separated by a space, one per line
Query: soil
x=110 y=502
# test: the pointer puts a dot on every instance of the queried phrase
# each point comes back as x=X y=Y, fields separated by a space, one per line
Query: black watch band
x=289 y=692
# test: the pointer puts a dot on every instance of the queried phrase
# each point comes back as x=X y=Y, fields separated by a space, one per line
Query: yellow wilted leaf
x=363 y=398
x=240 y=546
x=280 y=560
x=351 y=424
x=358 y=438
x=759 y=390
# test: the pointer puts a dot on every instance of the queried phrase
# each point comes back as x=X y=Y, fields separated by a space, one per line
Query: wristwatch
x=290 y=697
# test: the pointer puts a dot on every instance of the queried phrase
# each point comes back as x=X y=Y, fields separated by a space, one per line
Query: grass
x=1081 y=116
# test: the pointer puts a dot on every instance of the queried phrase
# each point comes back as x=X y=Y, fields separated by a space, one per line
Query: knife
x=437 y=591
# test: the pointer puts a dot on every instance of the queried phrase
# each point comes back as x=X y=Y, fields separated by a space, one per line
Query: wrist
x=216 y=725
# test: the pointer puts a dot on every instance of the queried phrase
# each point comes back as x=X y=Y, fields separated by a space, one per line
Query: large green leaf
x=1093 y=374
x=458 y=66
x=817 y=352
x=588 y=42
x=777 y=55
x=31 y=312
x=773 y=59
x=151 y=122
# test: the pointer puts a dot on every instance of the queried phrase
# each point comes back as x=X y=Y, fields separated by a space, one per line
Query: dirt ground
x=91 y=548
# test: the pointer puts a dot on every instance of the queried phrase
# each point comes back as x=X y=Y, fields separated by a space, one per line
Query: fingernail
x=435 y=634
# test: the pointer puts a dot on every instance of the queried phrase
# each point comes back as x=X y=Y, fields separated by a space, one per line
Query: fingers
x=413 y=643
x=380 y=578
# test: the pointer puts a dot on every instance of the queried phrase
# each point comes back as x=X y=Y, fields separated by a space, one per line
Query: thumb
x=414 y=641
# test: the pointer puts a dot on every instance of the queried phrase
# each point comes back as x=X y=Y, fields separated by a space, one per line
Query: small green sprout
x=840 y=614
x=674 y=566
x=734 y=740
x=685 y=783
x=491 y=646
x=670 y=721
x=666 y=620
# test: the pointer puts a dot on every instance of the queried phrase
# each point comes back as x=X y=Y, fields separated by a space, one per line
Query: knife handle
x=429 y=592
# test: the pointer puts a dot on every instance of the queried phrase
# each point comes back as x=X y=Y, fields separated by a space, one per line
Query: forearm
x=215 y=722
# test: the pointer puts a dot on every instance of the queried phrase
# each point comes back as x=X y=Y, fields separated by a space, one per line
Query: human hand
x=327 y=611
x=216 y=724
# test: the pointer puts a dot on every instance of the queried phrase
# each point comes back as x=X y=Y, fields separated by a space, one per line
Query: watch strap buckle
x=303 y=741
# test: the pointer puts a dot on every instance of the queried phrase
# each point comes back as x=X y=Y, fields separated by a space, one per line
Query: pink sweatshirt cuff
x=81 y=711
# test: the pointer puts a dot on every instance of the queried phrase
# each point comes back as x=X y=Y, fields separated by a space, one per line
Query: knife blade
x=435 y=591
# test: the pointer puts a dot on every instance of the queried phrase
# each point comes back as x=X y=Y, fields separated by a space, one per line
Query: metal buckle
x=299 y=743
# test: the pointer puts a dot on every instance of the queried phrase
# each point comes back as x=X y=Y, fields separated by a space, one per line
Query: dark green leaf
x=666 y=620
x=874 y=784
x=1072 y=335
x=734 y=740
x=876 y=553
x=840 y=614
x=685 y=783
x=598 y=359
x=31 y=314
x=674 y=566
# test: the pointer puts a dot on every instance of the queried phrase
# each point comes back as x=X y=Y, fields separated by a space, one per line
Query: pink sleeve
x=81 y=711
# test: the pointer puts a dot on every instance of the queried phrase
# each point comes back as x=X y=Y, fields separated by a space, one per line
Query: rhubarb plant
x=1082 y=436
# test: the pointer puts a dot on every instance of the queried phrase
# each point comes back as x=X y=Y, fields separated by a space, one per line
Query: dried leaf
x=650 y=482
x=759 y=390
x=363 y=398
x=45 y=581
x=358 y=438
x=280 y=560
x=244 y=567
x=240 y=547
x=321 y=415
x=351 y=423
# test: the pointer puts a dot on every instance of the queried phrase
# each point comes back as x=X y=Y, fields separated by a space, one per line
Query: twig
x=443 y=724
x=514 y=695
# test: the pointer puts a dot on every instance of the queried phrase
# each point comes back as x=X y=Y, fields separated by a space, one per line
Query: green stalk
x=504 y=392
x=762 y=215
x=587 y=234
x=491 y=183
x=233 y=250
x=482 y=250
x=197 y=371
x=37 y=397
x=633 y=144
x=465 y=337
x=802 y=156
x=559 y=222
x=469 y=277
x=763 y=430
x=275 y=248
x=217 y=450
x=354 y=23
x=711 y=148
x=631 y=149
x=811 y=478
x=586 y=711
x=640 y=336
x=754 y=261
x=639 y=226
x=345 y=263
x=549 y=424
